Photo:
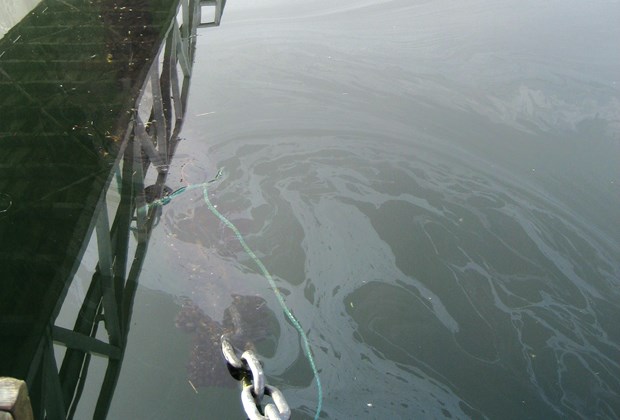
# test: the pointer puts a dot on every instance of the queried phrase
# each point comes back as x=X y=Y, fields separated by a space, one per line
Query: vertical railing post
x=104 y=246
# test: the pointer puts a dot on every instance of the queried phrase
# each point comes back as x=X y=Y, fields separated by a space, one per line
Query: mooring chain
x=252 y=376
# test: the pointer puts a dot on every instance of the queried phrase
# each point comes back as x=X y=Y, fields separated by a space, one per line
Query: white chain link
x=255 y=388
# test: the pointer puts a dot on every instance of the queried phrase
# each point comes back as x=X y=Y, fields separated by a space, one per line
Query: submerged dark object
x=245 y=322
x=155 y=192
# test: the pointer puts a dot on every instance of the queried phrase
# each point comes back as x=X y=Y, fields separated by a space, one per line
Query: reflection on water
x=13 y=12
x=434 y=187
x=93 y=95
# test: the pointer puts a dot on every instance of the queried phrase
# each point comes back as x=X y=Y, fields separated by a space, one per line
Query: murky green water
x=434 y=186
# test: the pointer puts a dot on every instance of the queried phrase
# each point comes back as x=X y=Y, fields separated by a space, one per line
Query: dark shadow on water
x=93 y=99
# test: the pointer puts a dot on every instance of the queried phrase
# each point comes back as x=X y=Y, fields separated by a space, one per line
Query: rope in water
x=264 y=271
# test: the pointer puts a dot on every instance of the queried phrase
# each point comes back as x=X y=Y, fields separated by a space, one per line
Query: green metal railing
x=124 y=121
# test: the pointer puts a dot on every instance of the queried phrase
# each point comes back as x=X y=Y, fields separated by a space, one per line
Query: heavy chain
x=252 y=376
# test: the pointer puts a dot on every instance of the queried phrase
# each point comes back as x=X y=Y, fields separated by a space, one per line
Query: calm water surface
x=435 y=188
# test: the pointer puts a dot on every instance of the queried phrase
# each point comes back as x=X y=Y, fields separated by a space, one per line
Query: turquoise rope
x=265 y=273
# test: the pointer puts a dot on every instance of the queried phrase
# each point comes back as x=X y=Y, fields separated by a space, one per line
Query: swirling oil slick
x=446 y=290
x=435 y=186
